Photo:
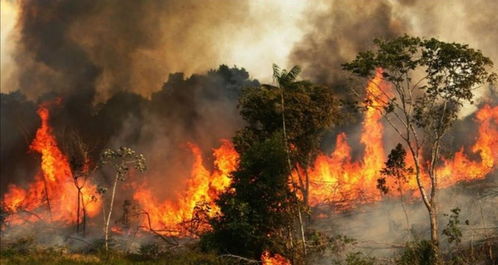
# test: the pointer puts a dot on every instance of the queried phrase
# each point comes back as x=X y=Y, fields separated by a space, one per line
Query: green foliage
x=418 y=253
x=309 y=111
x=425 y=84
x=256 y=209
x=452 y=230
x=395 y=167
x=321 y=244
x=450 y=73
x=358 y=258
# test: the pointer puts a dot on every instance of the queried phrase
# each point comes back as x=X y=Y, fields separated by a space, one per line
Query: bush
x=358 y=258
x=23 y=246
x=150 y=251
x=418 y=253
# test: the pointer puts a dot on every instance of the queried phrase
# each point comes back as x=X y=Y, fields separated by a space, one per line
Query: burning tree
x=428 y=83
x=120 y=160
x=79 y=161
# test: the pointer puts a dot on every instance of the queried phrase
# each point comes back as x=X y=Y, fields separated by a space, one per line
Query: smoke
x=131 y=46
x=111 y=46
x=382 y=229
x=337 y=30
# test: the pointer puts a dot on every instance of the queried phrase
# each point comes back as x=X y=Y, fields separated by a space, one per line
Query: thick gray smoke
x=338 y=29
x=338 y=33
x=110 y=46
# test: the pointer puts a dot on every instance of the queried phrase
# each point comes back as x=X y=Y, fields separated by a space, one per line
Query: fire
x=462 y=168
x=276 y=259
x=53 y=188
x=336 y=178
x=203 y=187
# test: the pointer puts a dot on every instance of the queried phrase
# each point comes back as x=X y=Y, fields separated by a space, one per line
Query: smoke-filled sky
x=133 y=46
x=113 y=62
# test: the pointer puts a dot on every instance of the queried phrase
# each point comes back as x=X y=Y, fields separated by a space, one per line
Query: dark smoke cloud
x=104 y=47
x=338 y=33
x=17 y=127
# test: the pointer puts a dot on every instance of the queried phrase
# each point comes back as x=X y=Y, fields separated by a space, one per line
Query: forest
x=383 y=151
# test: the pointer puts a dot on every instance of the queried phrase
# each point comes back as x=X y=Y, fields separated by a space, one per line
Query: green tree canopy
x=256 y=211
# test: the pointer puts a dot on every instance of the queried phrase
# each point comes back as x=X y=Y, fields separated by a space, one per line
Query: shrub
x=418 y=253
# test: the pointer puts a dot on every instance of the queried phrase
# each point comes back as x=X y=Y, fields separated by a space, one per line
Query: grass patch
x=54 y=257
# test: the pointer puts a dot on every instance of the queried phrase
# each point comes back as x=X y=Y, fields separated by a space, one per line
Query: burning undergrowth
x=62 y=193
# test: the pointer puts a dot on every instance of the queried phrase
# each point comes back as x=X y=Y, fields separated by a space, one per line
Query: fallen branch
x=31 y=213
x=381 y=245
x=165 y=239
x=250 y=261
x=79 y=239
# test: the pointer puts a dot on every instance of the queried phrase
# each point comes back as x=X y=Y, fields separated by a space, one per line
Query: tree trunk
x=106 y=229
x=430 y=204
x=306 y=189
x=78 y=210
x=286 y=143
x=435 y=235
x=403 y=206
x=84 y=221
x=301 y=224
x=47 y=197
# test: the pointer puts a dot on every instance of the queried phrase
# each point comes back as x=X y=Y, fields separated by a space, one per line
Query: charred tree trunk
x=83 y=232
x=78 y=211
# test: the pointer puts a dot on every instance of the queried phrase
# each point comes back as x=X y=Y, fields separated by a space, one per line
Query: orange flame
x=335 y=178
x=462 y=168
x=202 y=187
x=53 y=187
x=276 y=259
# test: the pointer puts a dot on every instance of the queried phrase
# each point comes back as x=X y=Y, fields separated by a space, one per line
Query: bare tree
x=78 y=152
x=120 y=160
